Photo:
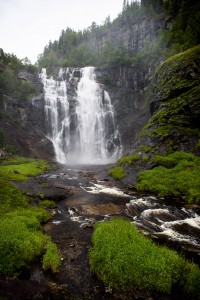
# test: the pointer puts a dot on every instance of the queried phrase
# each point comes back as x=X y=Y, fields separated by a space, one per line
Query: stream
x=84 y=196
x=96 y=198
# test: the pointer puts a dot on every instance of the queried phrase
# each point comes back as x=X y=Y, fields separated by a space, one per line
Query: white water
x=56 y=114
x=95 y=138
x=182 y=225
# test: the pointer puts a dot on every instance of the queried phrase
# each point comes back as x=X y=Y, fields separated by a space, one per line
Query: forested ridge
x=176 y=25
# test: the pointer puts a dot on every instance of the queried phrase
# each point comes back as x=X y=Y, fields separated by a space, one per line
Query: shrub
x=124 y=258
x=117 y=173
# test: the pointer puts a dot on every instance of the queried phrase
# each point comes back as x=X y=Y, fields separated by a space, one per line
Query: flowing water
x=98 y=200
x=87 y=134
x=85 y=131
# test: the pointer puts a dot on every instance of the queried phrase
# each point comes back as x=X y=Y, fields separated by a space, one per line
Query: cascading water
x=86 y=134
x=56 y=114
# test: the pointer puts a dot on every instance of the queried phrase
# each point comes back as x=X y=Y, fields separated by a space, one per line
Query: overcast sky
x=26 y=26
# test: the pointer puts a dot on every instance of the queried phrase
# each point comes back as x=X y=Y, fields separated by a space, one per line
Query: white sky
x=26 y=26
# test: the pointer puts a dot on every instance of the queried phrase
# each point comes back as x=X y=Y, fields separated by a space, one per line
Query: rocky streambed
x=85 y=195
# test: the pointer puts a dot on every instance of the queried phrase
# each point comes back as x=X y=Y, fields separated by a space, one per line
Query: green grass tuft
x=123 y=258
x=52 y=259
x=117 y=173
x=47 y=204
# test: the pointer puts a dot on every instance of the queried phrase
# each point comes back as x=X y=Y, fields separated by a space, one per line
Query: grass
x=20 y=169
x=123 y=258
x=51 y=258
x=176 y=175
x=117 y=173
x=129 y=159
x=47 y=204
x=21 y=238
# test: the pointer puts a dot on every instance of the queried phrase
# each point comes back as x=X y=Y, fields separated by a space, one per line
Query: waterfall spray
x=89 y=135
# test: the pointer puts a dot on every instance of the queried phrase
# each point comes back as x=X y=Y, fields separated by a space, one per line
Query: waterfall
x=82 y=128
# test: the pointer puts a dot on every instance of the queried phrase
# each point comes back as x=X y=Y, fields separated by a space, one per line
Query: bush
x=176 y=174
x=124 y=258
x=117 y=173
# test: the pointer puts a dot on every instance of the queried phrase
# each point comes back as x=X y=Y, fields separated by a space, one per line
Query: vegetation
x=129 y=159
x=117 y=173
x=21 y=239
x=123 y=258
x=47 y=204
x=81 y=48
x=174 y=124
x=10 y=84
x=20 y=169
x=175 y=175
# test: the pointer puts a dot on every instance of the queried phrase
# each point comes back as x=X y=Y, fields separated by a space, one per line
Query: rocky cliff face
x=130 y=34
x=22 y=124
x=175 y=106
x=127 y=88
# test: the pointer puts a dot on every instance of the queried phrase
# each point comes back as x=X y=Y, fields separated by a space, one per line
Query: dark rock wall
x=22 y=122
x=128 y=93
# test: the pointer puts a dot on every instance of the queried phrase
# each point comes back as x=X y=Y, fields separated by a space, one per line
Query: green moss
x=11 y=197
x=21 y=239
x=124 y=258
x=129 y=159
x=20 y=169
x=117 y=173
x=175 y=175
x=175 y=88
x=52 y=258
x=176 y=74
x=47 y=204
x=145 y=148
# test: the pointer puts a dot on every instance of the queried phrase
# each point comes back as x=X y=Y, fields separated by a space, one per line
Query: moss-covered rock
x=175 y=105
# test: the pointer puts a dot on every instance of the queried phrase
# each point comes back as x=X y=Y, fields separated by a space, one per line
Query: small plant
x=40 y=195
x=47 y=204
x=117 y=173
